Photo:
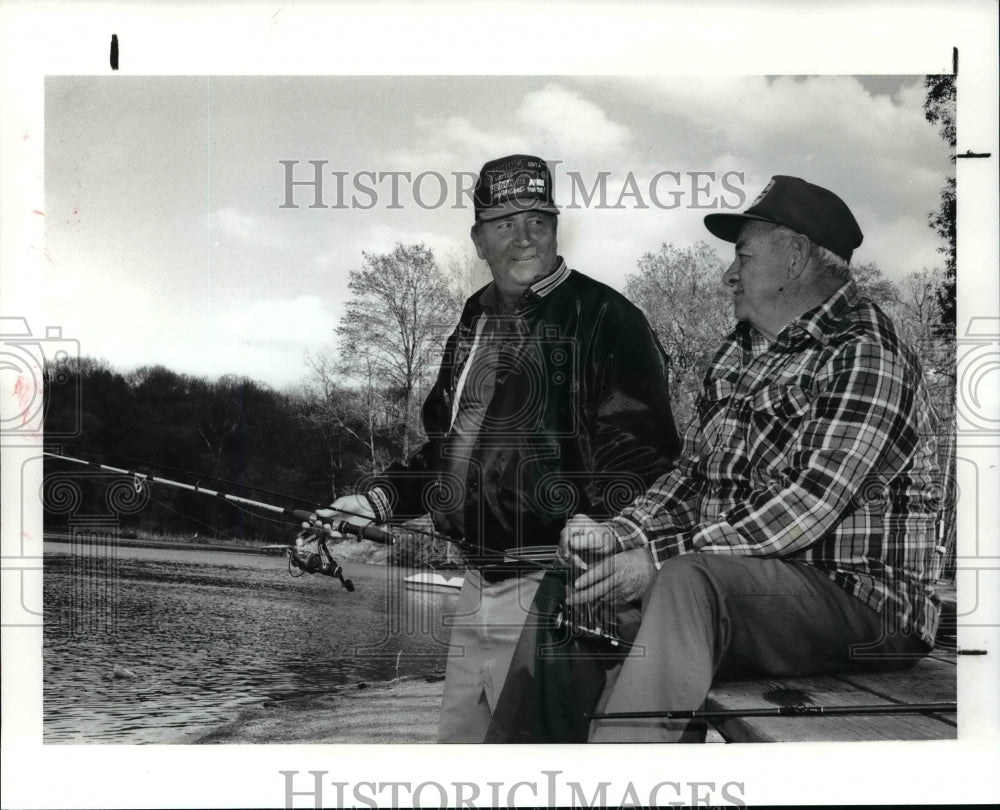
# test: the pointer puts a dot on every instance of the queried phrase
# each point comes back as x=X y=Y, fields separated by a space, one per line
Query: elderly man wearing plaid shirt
x=797 y=534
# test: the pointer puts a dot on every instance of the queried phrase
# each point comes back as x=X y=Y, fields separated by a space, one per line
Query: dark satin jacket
x=579 y=420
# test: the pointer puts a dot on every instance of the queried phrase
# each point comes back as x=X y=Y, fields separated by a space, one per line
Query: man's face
x=520 y=249
x=759 y=278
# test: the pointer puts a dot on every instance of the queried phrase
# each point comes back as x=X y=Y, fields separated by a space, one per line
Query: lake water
x=206 y=633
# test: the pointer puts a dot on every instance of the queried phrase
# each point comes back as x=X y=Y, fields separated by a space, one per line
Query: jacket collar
x=489 y=301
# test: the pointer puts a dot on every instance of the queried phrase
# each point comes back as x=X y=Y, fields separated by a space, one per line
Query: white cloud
x=245 y=227
x=828 y=129
x=563 y=122
x=129 y=327
x=549 y=121
x=382 y=238
x=300 y=321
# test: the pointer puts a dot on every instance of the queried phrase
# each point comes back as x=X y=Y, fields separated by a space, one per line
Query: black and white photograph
x=358 y=413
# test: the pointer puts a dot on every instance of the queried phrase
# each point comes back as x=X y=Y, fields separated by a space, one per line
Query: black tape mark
x=114 y=51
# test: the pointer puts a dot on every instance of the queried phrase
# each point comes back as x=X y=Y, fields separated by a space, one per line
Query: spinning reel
x=310 y=555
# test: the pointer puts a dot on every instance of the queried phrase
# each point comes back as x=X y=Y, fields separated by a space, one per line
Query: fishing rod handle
x=368 y=532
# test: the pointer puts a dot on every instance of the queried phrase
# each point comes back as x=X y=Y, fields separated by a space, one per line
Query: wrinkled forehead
x=756 y=233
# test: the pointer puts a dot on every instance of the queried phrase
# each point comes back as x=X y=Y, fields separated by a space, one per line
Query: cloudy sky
x=167 y=241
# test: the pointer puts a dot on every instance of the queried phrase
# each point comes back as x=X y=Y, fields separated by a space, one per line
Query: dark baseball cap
x=512 y=184
x=810 y=210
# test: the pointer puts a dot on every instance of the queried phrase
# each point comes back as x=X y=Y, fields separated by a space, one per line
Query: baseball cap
x=810 y=210
x=512 y=184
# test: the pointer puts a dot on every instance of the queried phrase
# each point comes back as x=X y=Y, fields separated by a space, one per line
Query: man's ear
x=474 y=233
x=798 y=255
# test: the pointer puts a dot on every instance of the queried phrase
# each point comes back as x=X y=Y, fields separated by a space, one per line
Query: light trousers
x=486 y=627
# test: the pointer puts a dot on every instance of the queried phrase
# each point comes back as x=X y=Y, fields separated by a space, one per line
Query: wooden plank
x=821 y=691
x=931 y=681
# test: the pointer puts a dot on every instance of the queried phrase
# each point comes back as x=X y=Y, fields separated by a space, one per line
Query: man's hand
x=348 y=508
x=622 y=577
x=583 y=540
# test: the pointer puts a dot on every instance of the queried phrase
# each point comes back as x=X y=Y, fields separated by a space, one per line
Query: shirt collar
x=820 y=323
x=541 y=288
x=824 y=321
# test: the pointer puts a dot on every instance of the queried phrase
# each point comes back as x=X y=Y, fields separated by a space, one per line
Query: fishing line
x=186 y=516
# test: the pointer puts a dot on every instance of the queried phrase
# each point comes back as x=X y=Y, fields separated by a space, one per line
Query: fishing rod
x=202 y=476
x=369 y=531
x=798 y=710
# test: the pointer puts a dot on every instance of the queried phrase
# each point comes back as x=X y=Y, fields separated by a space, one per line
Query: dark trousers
x=708 y=616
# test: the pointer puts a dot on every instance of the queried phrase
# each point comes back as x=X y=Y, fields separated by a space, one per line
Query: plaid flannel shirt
x=819 y=449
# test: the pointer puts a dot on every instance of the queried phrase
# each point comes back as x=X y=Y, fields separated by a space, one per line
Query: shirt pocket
x=781 y=401
x=716 y=423
x=773 y=416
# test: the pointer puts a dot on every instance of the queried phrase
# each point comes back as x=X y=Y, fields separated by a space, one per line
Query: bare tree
x=939 y=109
x=221 y=419
x=921 y=313
x=873 y=285
x=394 y=328
x=681 y=292
x=466 y=272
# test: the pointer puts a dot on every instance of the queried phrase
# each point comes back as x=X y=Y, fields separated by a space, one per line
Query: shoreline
x=343 y=549
x=405 y=710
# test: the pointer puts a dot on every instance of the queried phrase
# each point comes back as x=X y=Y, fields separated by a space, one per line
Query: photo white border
x=597 y=38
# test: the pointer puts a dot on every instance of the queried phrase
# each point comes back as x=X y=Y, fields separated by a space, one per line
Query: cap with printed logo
x=807 y=209
x=512 y=184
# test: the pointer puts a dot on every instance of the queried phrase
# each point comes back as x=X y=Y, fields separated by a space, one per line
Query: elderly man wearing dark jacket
x=551 y=399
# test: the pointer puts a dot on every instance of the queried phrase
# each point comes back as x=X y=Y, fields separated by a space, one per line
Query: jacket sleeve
x=632 y=435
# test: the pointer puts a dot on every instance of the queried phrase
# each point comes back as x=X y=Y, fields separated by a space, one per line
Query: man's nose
x=522 y=233
x=731 y=275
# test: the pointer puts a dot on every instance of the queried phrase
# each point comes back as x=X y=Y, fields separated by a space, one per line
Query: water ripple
x=208 y=633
